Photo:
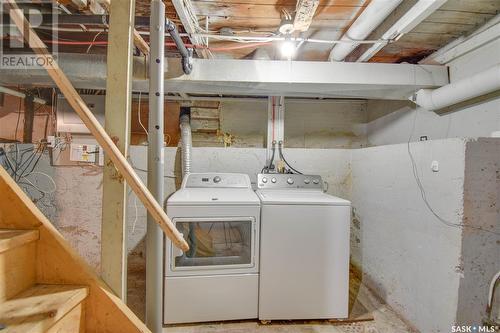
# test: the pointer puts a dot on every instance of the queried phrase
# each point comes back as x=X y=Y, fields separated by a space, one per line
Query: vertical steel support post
x=154 y=235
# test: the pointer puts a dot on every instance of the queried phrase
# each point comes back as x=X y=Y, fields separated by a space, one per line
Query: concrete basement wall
x=480 y=250
x=433 y=274
x=407 y=255
x=319 y=124
x=393 y=122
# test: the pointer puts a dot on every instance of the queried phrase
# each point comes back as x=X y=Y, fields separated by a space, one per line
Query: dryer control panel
x=216 y=180
x=286 y=180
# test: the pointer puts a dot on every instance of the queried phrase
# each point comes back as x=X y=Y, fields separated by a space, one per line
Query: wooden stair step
x=38 y=308
x=10 y=239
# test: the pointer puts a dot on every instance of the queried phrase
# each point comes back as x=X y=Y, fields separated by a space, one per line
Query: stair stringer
x=58 y=263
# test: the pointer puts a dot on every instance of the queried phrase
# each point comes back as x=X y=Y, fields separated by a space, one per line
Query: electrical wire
x=284 y=160
x=266 y=168
x=139 y=115
x=53 y=190
x=422 y=191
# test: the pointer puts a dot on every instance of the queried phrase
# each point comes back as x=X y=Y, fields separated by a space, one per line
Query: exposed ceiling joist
x=304 y=14
x=186 y=13
x=139 y=42
x=412 y=17
x=463 y=45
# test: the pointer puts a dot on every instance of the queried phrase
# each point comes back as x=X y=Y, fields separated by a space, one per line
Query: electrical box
x=83 y=153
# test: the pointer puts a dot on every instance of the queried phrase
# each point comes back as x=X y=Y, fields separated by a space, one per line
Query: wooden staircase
x=44 y=285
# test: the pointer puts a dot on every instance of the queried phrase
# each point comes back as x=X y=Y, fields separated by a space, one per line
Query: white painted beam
x=306 y=79
x=256 y=77
x=413 y=17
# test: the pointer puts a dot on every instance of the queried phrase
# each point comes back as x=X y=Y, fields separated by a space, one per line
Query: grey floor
x=384 y=321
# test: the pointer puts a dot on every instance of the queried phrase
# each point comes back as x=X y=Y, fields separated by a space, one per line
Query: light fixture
x=287 y=48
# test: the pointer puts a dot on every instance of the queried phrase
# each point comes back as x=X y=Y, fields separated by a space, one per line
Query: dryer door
x=215 y=244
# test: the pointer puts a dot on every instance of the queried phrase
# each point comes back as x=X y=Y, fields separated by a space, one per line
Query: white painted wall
x=474 y=121
x=406 y=254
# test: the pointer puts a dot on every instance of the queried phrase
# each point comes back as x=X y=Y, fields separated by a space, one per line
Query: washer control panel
x=233 y=180
x=285 y=180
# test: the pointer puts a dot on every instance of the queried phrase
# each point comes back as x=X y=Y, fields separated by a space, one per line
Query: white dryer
x=217 y=279
x=304 y=263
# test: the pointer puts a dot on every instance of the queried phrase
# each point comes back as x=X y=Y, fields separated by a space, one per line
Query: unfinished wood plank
x=73 y=322
x=74 y=99
x=57 y=262
x=141 y=44
x=17 y=269
x=304 y=14
x=117 y=125
x=40 y=307
x=10 y=239
x=29 y=118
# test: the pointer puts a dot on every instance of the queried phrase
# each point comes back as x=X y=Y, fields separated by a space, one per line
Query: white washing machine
x=304 y=263
x=218 y=278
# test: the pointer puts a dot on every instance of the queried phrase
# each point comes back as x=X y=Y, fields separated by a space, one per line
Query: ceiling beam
x=255 y=77
x=412 y=17
x=186 y=13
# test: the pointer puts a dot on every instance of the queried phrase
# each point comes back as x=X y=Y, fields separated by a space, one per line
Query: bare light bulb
x=287 y=48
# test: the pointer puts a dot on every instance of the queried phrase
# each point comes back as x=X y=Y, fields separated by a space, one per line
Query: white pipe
x=20 y=95
x=413 y=17
x=373 y=15
x=462 y=90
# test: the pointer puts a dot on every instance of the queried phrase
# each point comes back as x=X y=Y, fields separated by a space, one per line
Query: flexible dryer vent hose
x=186 y=142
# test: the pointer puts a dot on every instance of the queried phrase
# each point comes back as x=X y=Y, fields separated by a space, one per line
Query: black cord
x=286 y=162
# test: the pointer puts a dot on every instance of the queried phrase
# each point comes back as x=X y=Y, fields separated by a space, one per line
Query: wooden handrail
x=74 y=99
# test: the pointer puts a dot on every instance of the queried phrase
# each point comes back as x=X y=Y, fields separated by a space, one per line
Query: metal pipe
x=154 y=236
x=186 y=54
x=376 y=12
x=186 y=140
x=20 y=95
x=477 y=85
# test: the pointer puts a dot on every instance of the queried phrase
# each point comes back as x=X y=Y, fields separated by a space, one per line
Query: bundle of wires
x=22 y=163
x=271 y=167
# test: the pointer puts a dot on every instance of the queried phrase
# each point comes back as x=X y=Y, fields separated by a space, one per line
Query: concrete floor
x=384 y=321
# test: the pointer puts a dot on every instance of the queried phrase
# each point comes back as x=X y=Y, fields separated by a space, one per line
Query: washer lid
x=214 y=196
x=299 y=197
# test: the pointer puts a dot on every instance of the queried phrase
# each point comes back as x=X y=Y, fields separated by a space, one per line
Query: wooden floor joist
x=77 y=103
x=139 y=42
